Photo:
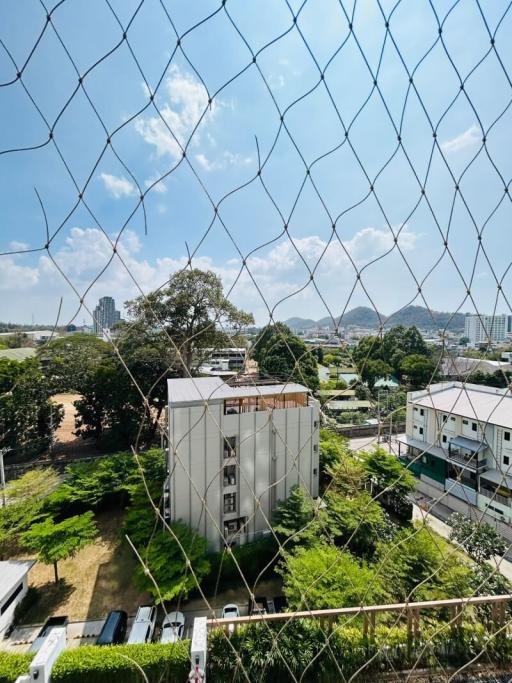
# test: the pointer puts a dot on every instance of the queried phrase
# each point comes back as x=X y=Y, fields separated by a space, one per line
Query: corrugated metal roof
x=11 y=573
x=348 y=405
x=18 y=354
x=190 y=390
x=480 y=403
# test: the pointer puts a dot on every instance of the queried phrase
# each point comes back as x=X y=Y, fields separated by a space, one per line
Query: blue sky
x=214 y=60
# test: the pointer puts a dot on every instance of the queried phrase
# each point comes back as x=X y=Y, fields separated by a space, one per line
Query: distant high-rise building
x=485 y=329
x=105 y=315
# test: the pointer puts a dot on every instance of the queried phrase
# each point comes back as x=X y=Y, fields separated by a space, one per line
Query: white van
x=144 y=625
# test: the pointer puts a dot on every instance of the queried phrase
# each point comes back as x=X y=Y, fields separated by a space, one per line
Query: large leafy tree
x=55 y=541
x=372 y=370
x=69 y=360
x=480 y=540
x=419 y=370
x=324 y=577
x=280 y=353
x=298 y=519
x=399 y=342
x=27 y=415
x=387 y=472
x=356 y=522
x=192 y=313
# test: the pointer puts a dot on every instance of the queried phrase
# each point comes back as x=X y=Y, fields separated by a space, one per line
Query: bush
x=252 y=558
x=117 y=663
x=13 y=664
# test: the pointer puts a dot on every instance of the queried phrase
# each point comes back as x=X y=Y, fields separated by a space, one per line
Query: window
x=415 y=410
x=452 y=419
x=444 y=438
x=229 y=447
x=445 y=417
x=422 y=412
x=421 y=430
x=315 y=424
x=315 y=448
x=506 y=460
x=12 y=597
x=474 y=426
x=315 y=472
x=230 y=475
x=464 y=422
x=506 y=436
x=229 y=502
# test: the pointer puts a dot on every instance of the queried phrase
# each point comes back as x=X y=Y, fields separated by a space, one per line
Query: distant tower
x=105 y=315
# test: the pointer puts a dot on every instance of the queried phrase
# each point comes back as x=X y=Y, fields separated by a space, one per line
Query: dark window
x=315 y=448
x=464 y=422
x=452 y=419
x=506 y=460
x=444 y=438
x=421 y=430
x=315 y=424
x=12 y=597
x=415 y=410
x=506 y=436
x=445 y=417
x=230 y=447
x=315 y=472
x=230 y=475
x=229 y=502
x=474 y=426
x=422 y=412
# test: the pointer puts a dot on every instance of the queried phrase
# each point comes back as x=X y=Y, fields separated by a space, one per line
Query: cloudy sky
x=339 y=167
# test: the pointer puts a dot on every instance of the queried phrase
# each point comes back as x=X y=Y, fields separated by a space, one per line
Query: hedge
x=112 y=664
x=13 y=664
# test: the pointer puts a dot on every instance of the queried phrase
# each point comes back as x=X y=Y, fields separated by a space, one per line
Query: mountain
x=362 y=316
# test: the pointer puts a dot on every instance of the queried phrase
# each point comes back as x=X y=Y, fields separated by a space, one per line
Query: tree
x=387 y=473
x=280 y=353
x=464 y=341
x=18 y=340
x=68 y=361
x=372 y=370
x=418 y=369
x=356 y=522
x=158 y=546
x=333 y=449
x=28 y=418
x=324 y=577
x=298 y=519
x=480 y=540
x=54 y=541
x=190 y=312
x=401 y=341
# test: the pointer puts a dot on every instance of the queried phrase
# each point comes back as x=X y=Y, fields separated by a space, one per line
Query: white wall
x=7 y=616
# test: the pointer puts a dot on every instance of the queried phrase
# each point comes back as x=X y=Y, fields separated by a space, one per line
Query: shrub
x=118 y=663
x=253 y=558
x=13 y=664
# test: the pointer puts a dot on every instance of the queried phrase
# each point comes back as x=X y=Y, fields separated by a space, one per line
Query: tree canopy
x=480 y=540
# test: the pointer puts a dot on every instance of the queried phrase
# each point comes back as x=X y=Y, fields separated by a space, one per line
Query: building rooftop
x=18 y=354
x=194 y=389
x=12 y=572
x=348 y=405
x=477 y=402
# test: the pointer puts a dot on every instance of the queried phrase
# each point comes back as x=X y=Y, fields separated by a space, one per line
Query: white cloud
x=160 y=186
x=468 y=138
x=18 y=246
x=279 y=271
x=223 y=161
x=186 y=101
x=118 y=186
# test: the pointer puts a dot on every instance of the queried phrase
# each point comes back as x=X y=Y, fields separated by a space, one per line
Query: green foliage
x=168 y=663
x=69 y=360
x=372 y=370
x=159 y=547
x=323 y=577
x=26 y=412
x=333 y=449
x=93 y=484
x=54 y=541
x=387 y=472
x=26 y=497
x=480 y=540
x=356 y=522
x=18 y=340
x=298 y=519
x=255 y=559
x=419 y=370
x=13 y=664
x=280 y=353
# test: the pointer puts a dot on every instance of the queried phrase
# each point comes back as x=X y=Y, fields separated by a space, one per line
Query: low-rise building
x=235 y=451
x=461 y=367
x=458 y=442
x=13 y=588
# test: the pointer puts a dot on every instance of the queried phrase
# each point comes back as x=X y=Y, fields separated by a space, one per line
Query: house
x=462 y=367
x=234 y=452
x=13 y=588
x=458 y=443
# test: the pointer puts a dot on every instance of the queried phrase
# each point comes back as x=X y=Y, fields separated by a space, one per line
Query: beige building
x=234 y=452
x=459 y=444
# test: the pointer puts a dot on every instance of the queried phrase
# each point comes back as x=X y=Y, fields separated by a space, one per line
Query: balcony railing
x=497 y=497
x=468 y=459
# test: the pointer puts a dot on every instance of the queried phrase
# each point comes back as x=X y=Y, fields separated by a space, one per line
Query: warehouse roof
x=193 y=389
x=474 y=401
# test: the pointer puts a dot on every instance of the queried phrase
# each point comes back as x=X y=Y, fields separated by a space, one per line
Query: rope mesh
x=329 y=155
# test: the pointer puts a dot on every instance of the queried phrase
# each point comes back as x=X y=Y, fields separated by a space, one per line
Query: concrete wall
x=6 y=617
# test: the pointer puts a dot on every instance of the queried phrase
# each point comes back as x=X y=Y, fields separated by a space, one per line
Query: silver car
x=173 y=626
x=144 y=625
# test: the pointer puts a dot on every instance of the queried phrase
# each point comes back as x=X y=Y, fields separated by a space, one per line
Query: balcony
x=230 y=475
x=463 y=451
x=496 y=497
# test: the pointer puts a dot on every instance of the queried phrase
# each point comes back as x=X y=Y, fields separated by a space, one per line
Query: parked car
x=257 y=606
x=49 y=624
x=230 y=610
x=173 y=626
x=113 y=631
x=144 y=625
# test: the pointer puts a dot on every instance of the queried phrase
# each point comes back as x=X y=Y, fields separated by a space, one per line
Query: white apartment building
x=485 y=329
x=234 y=452
x=458 y=443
